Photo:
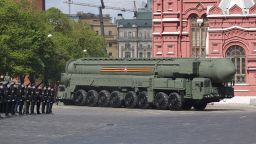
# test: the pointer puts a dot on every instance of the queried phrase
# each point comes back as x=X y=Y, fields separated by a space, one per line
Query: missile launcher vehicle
x=175 y=84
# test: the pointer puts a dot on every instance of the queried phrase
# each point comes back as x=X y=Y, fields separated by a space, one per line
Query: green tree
x=20 y=37
x=70 y=39
x=25 y=45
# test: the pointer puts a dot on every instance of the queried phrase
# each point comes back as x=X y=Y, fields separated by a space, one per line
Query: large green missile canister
x=218 y=70
x=177 y=83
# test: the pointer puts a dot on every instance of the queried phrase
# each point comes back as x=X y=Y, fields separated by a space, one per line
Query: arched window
x=237 y=55
x=127 y=54
x=140 y=54
x=198 y=36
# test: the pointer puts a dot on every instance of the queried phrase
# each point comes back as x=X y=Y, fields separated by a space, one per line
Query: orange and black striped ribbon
x=128 y=69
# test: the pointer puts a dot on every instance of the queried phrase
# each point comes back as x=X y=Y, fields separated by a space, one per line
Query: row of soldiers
x=23 y=99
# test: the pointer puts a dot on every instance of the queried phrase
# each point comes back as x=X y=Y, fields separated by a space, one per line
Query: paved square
x=88 y=125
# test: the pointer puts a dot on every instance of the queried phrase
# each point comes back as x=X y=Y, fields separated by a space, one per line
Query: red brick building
x=37 y=4
x=209 y=28
x=40 y=4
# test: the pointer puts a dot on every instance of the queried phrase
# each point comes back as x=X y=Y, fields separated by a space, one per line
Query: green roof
x=129 y=23
x=144 y=15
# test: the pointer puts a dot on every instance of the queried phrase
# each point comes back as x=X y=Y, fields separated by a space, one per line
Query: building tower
x=213 y=29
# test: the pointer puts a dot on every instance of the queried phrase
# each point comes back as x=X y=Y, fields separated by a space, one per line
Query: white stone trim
x=159 y=53
x=157 y=20
x=185 y=33
x=232 y=15
x=229 y=28
x=241 y=84
x=156 y=33
x=170 y=19
x=251 y=69
x=170 y=53
x=207 y=42
x=175 y=33
x=157 y=13
x=208 y=9
x=171 y=33
x=166 y=20
x=241 y=90
x=171 y=12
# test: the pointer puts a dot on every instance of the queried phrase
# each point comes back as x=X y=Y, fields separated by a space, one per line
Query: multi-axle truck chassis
x=173 y=84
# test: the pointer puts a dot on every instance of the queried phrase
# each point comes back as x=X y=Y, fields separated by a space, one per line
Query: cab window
x=61 y=88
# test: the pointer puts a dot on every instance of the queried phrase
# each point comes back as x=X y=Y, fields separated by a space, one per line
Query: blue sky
x=113 y=3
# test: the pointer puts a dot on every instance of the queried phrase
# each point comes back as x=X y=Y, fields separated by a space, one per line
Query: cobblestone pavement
x=219 y=124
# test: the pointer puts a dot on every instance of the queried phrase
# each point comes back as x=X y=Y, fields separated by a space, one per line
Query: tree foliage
x=27 y=48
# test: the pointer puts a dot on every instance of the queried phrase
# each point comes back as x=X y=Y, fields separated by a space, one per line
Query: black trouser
x=13 y=104
x=48 y=107
x=27 y=107
x=7 y=107
x=17 y=105
x=32 y=108
x=21 y=103
x=43 y=106
x=1 y=107
x=38 y=103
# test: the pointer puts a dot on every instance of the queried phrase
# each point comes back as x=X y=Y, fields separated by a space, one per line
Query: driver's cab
x=201 y=88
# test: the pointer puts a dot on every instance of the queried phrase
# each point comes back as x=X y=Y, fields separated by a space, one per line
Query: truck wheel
x=131 y=99
x=115 y=99
x=80 y=97
x=200 y=105
x=92 y=98
x=143 y=100
x=104 y=97
x=187 y=105
x=68 y=102
x=161 y=101
x=175 y=101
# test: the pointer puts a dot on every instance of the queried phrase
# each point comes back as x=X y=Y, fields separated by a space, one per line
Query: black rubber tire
x=131 y=99
x=143 y=100
x=104 y=97
x=115 y=99
x=80 y=97
x=92 y=98
x=200 y=105
x=175 y=101
x=187 y=105
x=161 y=101
x=68 y=102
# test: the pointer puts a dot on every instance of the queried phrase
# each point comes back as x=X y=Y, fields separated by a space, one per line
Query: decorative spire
x=245 y=5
